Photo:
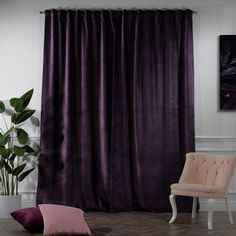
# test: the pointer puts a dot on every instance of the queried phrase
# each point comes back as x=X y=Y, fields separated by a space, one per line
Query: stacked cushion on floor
x=30 y=218
x=52 y=220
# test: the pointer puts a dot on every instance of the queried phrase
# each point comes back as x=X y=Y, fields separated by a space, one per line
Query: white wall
x=208 y=25
x=21 y=57
x=215 y=129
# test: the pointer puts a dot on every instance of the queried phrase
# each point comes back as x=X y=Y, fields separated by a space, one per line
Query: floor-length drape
x=117 y=108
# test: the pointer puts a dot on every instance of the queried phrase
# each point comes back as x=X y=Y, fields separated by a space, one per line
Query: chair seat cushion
x=198 y=190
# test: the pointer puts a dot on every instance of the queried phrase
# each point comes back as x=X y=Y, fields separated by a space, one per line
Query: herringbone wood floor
x=141 y=224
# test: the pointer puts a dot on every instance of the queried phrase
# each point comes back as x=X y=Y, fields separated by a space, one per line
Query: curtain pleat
x=117 y=108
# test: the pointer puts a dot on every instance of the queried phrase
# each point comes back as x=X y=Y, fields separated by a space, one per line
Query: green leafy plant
x=15 y=148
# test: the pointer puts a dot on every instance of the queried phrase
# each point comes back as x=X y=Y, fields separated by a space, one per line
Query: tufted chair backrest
x=208 y=169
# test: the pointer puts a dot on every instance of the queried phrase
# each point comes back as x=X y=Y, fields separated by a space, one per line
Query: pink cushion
x=63 y=220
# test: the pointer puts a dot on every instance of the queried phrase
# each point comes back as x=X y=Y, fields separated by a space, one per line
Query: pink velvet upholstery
x=63 y=220
x=205 y=175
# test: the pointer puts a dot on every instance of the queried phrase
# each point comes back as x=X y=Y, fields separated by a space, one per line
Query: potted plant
x=15 y=152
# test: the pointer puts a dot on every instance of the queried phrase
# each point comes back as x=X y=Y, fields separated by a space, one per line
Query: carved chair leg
x=174 y=208
x=194 y=209
x=231 y=220
x=210 y=212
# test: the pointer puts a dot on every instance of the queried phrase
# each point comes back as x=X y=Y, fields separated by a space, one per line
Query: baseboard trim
x=219 y=206
x=203 y=206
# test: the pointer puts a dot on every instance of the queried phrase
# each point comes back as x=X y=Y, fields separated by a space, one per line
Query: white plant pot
x=9 y=204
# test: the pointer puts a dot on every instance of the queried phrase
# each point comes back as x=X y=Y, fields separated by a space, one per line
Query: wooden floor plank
x=141 y=224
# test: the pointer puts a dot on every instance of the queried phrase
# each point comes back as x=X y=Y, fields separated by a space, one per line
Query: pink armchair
x=204 y=175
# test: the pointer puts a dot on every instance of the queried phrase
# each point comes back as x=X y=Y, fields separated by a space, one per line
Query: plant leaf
x=28 y=149
x=2 y=107
x=13 y=118
x=13 y=101
x=19 y=151
x=21 y=117
x=1 y=164
x=7 y=153
x=3 y=151
x=18 y=169
x=1 y=139
x=23 y=101
x=25 y=174
x=12 y=159
x=7 y=167
x=7 y=139
x=22 y=136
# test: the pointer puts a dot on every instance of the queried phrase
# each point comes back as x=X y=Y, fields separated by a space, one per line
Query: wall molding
x=214 y=137
x=214 y=150
x=218 y=206
x=32 y=138
x=28 y=199
x=215 y=144
x=27 y=203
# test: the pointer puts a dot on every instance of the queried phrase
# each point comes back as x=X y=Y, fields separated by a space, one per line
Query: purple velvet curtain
x=117 y=108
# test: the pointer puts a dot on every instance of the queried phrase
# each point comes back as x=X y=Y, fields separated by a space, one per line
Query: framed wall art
x=228 y=72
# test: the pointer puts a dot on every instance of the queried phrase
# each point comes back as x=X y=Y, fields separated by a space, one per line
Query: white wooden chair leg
x=210 y=212
x=231 y=220
x=174 y=208
x=194 y=209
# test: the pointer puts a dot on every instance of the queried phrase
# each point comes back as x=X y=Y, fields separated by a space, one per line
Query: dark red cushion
x=30 y=218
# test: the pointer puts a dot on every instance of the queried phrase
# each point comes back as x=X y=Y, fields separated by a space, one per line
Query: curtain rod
x=74 y=9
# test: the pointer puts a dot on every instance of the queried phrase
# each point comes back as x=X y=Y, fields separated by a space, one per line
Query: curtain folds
x=117 y=108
